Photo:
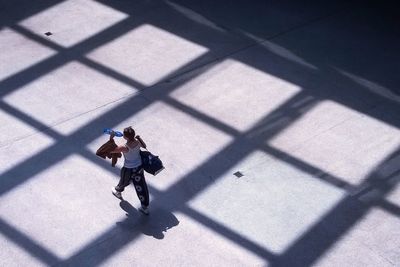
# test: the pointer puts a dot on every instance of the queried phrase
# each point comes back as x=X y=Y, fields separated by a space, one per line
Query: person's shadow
x=155 y=224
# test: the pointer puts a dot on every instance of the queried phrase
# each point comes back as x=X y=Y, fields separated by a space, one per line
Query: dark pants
x=135 y=175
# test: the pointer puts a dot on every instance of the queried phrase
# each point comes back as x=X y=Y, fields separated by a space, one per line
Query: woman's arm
x=112 y=134
x=141 y=142
x=120 y=149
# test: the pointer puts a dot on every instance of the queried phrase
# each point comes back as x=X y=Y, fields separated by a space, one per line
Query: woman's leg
x=141 y=187
x=124 y=180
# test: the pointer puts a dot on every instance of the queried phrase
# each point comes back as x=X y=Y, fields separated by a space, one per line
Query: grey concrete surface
x=302 y=100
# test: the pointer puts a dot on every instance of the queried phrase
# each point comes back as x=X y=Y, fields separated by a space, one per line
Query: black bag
x=151 y=163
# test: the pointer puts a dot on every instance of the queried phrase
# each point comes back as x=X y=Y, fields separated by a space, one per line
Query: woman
x=132 y=169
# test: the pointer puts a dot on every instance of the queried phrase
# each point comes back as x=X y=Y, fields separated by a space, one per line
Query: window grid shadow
x=33 y=73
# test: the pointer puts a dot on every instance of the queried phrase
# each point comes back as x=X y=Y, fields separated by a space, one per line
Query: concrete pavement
x=303 y=101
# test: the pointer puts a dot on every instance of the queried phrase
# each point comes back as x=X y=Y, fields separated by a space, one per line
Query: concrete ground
x=278 y=124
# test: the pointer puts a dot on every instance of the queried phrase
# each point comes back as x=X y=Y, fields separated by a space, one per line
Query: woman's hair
x=129 y=133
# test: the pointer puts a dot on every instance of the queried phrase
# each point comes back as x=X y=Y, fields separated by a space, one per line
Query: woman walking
x=132 y=169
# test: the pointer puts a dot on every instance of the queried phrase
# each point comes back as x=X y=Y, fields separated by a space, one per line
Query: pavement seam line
x=373 y=107
x=194 y=69
x=254 y=44
x=377 y=253
x=56 y=123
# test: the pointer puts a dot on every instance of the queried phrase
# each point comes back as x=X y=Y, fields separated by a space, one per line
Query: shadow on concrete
x=350 y=60
x=15 y=11
x=317 y=240
x=156 y=224
x=30 y=246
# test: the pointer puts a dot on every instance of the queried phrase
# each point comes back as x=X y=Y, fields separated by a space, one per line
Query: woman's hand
x=112 y=134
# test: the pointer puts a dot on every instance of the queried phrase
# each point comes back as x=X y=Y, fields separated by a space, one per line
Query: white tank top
x=132 y=157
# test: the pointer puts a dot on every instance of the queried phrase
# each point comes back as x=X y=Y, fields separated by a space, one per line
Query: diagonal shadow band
x=69 y=55
x=190 y=178
x=342 y=218
x=349 y=204
x=21 y=240
x=69 y=144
